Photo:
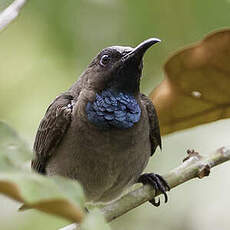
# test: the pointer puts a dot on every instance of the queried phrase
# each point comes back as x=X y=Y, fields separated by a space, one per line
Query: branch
x=194 y=165
x=10 y=13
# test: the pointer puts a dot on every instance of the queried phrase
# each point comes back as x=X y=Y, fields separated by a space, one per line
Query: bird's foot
x=158 y=183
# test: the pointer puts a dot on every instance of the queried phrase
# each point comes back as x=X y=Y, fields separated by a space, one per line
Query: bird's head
x=118 y=68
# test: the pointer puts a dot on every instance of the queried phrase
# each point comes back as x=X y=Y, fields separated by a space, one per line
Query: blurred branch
x=10 y=13
x=194 y=165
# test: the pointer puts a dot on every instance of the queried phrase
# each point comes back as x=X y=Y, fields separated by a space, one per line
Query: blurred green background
x=45 y=50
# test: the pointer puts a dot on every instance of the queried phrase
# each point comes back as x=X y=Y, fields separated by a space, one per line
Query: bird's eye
x=105 y=59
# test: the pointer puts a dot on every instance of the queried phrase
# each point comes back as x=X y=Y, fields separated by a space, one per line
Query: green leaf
x=14 y=152
x=54 y=195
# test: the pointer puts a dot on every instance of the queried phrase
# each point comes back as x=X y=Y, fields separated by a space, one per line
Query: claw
x=159 y=184
x=156 y=204
x=165 y=183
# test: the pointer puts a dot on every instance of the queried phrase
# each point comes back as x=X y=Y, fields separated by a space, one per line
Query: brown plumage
x=102 y=131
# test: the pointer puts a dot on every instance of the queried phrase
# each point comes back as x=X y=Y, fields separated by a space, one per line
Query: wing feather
x=51 y=130
x=154 y=135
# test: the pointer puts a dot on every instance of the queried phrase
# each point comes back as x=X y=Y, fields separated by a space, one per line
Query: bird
x=102 y=131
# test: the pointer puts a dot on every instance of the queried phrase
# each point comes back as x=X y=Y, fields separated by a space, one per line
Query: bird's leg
x=158 y=183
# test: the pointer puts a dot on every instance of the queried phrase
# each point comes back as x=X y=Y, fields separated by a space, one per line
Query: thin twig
x=193 y=166
x=10 y=13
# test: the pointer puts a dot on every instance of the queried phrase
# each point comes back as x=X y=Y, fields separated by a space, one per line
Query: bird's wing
x=155 y=137
x=51 y=130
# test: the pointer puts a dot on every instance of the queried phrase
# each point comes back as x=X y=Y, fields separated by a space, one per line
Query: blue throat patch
x=113 y=109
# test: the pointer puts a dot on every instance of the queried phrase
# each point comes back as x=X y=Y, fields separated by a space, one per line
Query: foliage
x=57 y=195
x=196 y=86
x=13 y=150
x=64 y=197
x=52 y=40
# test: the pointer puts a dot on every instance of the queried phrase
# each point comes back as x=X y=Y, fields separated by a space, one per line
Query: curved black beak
x=139 y=51
x=128 y=69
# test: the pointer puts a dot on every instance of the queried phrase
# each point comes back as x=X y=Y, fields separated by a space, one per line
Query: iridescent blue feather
x=113 y=109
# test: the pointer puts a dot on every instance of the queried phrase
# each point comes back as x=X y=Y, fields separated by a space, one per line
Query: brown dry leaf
x=196 y=89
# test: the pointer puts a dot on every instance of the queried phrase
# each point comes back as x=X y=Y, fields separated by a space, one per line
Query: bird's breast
x=113 y=109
